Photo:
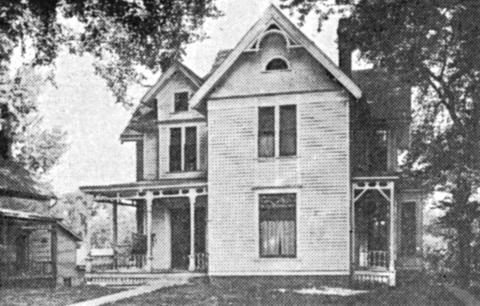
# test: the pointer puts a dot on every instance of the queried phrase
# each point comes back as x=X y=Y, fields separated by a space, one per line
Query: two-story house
x=278 y=162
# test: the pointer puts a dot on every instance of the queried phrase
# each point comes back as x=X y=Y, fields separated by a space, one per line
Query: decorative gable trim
x=250 y=42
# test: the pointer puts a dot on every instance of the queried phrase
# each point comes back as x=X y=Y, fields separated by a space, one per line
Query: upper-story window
x=379 y=150
x=266 y=132
x=288 y=130
x=277 y=64
x=285 y=128
x=180 y=101
x=190 y=151
x=175 y=149
x=183 y=149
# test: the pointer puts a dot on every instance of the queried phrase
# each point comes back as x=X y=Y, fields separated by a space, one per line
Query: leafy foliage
x=91 y=220
x=433 y=46
x=37 y=147
x=121 y=34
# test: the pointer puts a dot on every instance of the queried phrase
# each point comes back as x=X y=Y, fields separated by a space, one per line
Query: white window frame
x=289 y=66
x=183 y=129
x=279 y=190
x=276 y=107
x=173 y=100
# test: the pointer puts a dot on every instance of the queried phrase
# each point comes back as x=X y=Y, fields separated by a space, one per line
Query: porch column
x=192 y=198
x=148 y=204
x=115 y=233
x=391 y=264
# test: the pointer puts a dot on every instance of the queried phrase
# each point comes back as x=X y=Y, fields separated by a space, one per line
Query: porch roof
x=120 y=190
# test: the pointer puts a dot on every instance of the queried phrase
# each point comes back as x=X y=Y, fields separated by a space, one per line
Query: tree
x=37 y=147
x=433 y=46
x=122 y=34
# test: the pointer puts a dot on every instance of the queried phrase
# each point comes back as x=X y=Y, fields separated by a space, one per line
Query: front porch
x=171 y=235
x=374 y=222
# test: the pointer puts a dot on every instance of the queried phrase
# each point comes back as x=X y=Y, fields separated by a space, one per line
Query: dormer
x=163 y=109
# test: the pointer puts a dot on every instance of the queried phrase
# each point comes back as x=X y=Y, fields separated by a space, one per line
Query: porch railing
x=121 y=259
x=373 y=259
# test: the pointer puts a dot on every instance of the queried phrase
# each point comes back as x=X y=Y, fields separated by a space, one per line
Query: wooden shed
x=36 y=250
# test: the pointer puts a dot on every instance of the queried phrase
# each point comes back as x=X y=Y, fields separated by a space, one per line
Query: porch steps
x=362 y=278
x=125 y=280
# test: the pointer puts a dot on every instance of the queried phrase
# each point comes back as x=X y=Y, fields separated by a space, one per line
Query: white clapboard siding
x=320 y=171
x=150 y=155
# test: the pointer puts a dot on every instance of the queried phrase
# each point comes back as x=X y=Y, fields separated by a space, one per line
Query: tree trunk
x=464 y=253
x=462 y=224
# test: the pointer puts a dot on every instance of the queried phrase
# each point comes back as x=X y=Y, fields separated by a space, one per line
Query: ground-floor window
x=277 y=225
x=408 y=229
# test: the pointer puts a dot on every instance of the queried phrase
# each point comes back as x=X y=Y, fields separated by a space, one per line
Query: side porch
x=171 y=232
x=386 y=229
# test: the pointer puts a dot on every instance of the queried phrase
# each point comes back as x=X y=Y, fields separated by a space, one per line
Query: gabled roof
x=273 y=14
x=146 y=109
x=16 y=181
x=176 y=66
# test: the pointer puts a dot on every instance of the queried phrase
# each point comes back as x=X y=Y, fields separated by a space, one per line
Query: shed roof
x=25 y=215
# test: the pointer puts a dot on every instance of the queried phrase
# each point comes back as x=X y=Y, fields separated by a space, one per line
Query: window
x=269 y=128
x=277 y=64
x=190 y=151
x=181 y=101
x=408 y=229
x=175 y=149
x=139 y=147
x=266 y=132
x=379 y=151
x=288 y=130
x=183 y=149
x=277 y=222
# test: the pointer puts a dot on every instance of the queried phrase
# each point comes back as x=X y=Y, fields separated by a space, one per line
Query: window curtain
x=277 y=225
x=278 y=238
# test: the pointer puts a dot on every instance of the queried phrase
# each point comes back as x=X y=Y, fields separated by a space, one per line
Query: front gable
x=178 y=84
x=254 y=71
x=303 y=53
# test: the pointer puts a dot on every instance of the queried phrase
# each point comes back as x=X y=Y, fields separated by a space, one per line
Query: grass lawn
x=251 y=293
x=50 y=296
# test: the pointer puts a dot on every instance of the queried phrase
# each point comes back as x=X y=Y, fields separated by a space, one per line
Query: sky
x=81 y=104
